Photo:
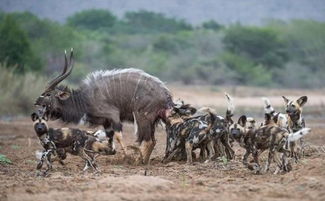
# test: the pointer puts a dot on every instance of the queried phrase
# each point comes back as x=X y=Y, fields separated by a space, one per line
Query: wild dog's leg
x=40 y=163
x=203 y=152
x=170 y=157
x=255 y=156
x=210 y=147
x=48 y=160
x=88 y=160
x=245 y=158
x=270 y=159
x=229 y=151
x=189 y=148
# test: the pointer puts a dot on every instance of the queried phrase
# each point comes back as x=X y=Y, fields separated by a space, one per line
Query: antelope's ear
x=285 y=100
x=302 y=100
x=242 y=120
x=63 y=95
x=34 y=116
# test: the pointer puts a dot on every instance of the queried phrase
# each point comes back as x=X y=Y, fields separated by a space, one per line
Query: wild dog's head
x=237 y=130
x=179 y=111
x=40 y=123
x=294 y=108
x=219 y=126
x=250 y=123
x=183 y=109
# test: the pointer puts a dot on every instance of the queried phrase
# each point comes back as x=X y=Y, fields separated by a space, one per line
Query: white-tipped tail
x=299 y=134
x=231 y=106
x=100 y=135
x=267 y=106
x=38 y=154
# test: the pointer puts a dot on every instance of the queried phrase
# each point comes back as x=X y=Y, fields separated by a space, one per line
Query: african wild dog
x=188 y=134
x=243 y=132
x=58 y=142
x=275 y=139
x=292 y=120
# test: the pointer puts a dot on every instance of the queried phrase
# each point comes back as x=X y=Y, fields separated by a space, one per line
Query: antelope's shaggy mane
x=110 y=73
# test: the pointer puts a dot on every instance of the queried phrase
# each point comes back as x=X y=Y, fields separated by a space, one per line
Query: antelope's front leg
x=119 y=138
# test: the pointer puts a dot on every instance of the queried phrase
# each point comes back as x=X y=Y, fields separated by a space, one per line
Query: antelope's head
x=53 y=95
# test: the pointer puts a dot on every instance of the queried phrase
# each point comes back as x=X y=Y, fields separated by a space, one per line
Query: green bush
x=213 y=25
x=261 y=45
x=93 y=19
x=15 y=47
x=149 y=22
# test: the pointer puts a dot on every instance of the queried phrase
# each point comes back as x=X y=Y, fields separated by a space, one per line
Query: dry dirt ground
x=122 y=180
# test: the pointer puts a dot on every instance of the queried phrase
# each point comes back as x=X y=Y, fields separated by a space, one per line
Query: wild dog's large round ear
x=242 y=120
x=285 y=99
x=302 y=100
x=192 y=110
x=275 y=118
x=267 y=117
x=34 y=116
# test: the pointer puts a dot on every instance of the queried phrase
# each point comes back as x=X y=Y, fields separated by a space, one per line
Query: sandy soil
x=122 y=180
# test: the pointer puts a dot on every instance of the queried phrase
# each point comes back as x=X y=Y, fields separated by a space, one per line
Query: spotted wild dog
x=220 y=130
x=58 y=142
x=275 y=139
x=292 y=120
x=242 y=132
x=187 y=134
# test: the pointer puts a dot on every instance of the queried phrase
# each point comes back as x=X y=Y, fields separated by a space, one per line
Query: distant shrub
x=261 y=45
x=93 y=19
x=211 y=24
x=15 y=47
x=18 y=92
x=150 y=22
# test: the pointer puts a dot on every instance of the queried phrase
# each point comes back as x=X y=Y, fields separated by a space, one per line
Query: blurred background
x=250 y=48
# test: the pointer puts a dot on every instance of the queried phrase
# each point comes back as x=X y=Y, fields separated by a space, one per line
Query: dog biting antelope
x=108 y=98
x=58 y=142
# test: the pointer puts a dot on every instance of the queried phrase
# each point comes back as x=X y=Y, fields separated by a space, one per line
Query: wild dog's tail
x=297 y=135
x=100 y=135
x=231 y=106
x=38 y=154
x=267 y=106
